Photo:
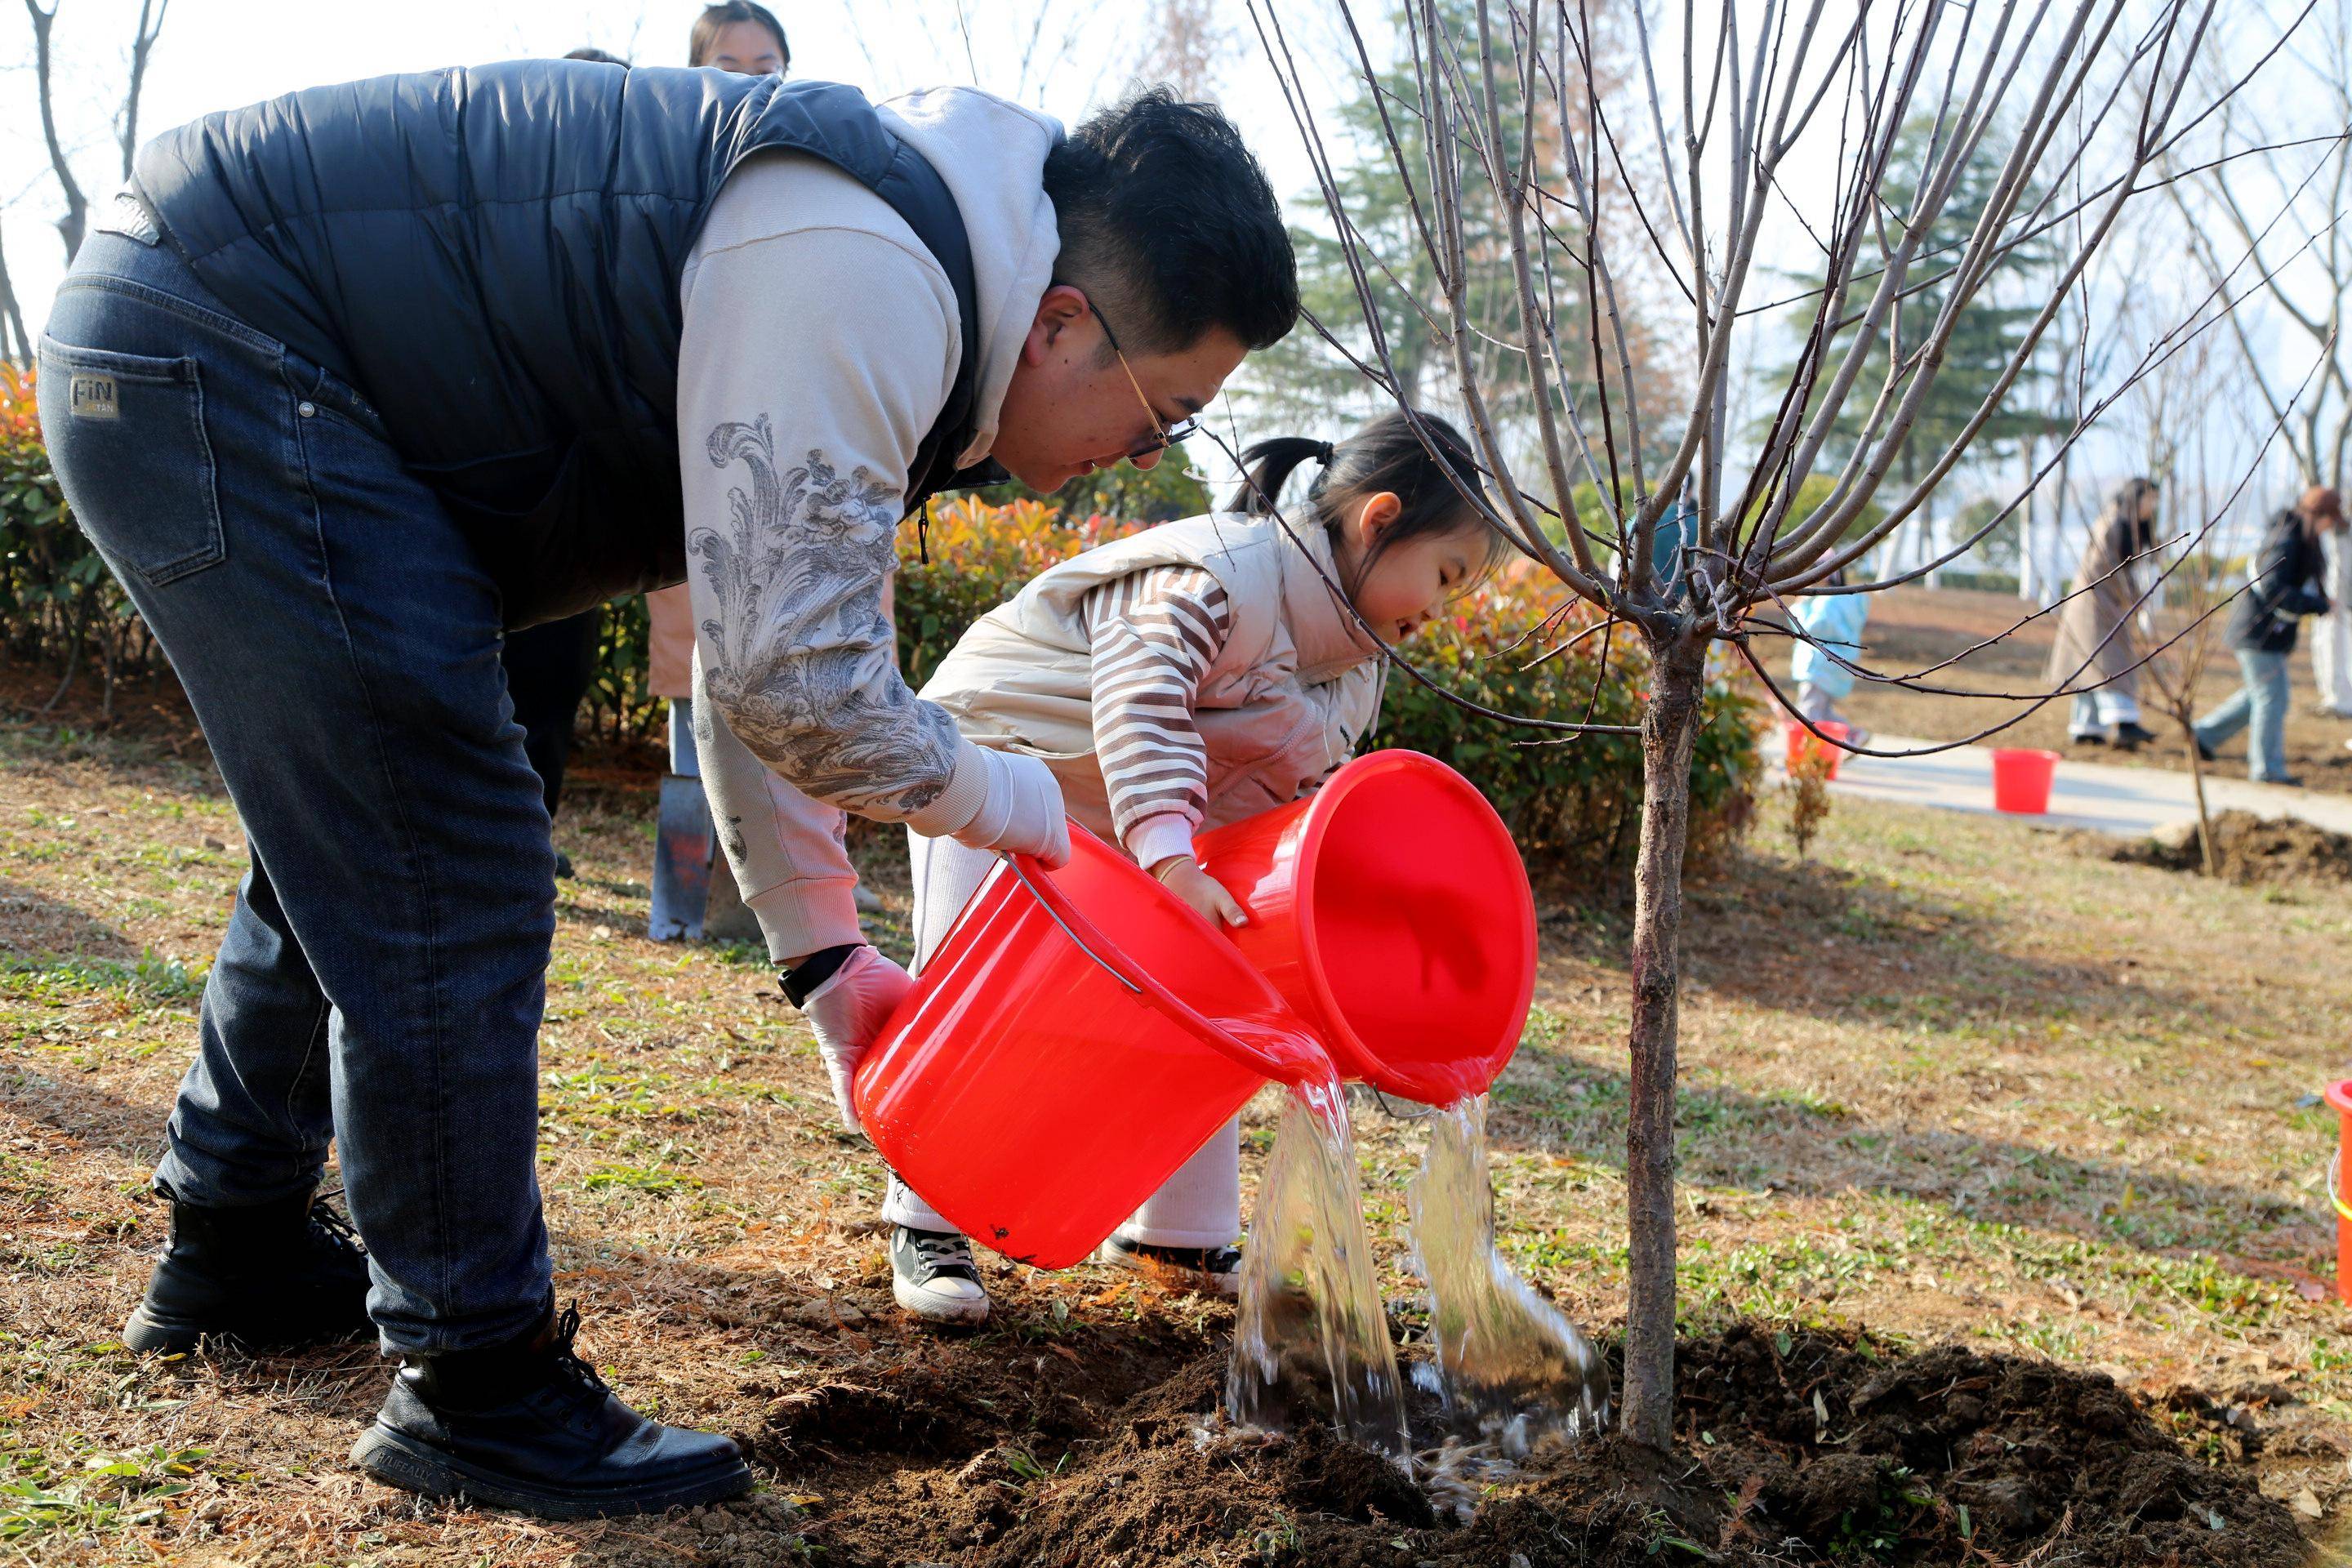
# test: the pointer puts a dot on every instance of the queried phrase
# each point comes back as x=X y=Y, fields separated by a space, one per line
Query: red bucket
x=1802 y=740
x=1392 y=911
x=2021 y=779
x=1039 y=1083
x=2339 y=1095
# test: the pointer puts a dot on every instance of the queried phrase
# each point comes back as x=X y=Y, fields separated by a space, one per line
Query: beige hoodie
x=821 y=340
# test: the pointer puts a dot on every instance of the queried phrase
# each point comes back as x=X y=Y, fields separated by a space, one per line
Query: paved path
x=2126 y=801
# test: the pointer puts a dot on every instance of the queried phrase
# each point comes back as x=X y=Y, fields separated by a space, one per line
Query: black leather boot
x=284 y=1273
x=529 y=1426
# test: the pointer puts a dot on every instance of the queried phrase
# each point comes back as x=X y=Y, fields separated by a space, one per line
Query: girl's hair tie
x=1323 y=453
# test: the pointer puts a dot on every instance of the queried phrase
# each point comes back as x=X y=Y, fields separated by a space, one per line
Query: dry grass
x=1945 y=1080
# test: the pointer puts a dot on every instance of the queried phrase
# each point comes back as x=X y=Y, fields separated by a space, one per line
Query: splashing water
x=1509 y=1366
x=1311 y=1337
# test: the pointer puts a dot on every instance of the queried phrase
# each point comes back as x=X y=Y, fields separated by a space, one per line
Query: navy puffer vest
x=491 y=258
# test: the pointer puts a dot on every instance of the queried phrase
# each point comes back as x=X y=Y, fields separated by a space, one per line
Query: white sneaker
x=931 y=1275
x=1216 y=1270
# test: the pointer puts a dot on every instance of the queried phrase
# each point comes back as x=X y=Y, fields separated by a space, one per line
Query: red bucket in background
x=1076 y=1039
x=1802 y=740
x=1392 y=911
x=2339 y=1095
x=2021 y=779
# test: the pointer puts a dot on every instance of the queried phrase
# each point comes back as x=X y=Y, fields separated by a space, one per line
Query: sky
x=1061 y=55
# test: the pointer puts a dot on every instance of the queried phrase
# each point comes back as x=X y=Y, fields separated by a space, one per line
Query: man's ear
x=1059 y=309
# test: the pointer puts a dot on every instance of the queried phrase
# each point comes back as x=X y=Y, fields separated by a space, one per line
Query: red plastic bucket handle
x=1032 y=875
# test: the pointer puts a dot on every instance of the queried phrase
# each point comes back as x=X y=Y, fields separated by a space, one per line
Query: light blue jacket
x=1834 y=620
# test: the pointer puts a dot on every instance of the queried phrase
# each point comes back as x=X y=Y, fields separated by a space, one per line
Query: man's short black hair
x=1169 y=225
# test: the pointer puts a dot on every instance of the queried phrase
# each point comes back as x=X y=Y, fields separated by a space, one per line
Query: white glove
x=1022 y=812
x=847 y=1012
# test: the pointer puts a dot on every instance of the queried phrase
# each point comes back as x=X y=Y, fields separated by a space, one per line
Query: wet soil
x=1103 y=1449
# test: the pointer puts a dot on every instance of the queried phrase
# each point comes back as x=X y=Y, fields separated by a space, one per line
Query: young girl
x=1184 y=677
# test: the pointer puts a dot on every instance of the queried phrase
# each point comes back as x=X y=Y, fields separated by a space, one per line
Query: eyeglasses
x=1163 y=436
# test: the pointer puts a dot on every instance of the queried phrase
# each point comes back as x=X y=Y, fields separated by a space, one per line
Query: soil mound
x=1793 y=1449
x=2249 y=850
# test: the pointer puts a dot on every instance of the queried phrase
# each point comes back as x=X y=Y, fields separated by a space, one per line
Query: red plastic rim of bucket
x=2339 y=1095
x=1478 y=1067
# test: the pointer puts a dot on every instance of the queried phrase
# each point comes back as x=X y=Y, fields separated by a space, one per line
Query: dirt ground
x=2246 y=850
x=2004 y=1236
x=1912 y=628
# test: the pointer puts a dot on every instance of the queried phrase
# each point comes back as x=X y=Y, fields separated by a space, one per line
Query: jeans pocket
x=126 y=434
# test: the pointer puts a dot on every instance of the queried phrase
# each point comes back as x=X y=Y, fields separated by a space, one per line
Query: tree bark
x=1669 y=732
x=15 y=343
x=2196 y=777
x=69 y=226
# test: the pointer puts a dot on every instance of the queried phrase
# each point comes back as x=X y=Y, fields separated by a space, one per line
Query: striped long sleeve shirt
x=1154 y=635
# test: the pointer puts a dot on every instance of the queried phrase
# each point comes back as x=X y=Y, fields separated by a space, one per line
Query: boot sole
x=149 y=1334
x=400 y=1460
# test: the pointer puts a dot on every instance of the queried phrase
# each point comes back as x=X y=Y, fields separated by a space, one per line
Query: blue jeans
x=383 y=974
x=2260 y=701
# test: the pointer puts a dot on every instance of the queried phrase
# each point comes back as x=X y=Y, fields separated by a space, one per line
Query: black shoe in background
x=562 y=866
x=2086 y=739
x=2131 y=737
x=285 y=1273
x=528 y=1426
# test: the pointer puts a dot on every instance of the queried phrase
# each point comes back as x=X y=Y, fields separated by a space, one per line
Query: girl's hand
x=1182 y=875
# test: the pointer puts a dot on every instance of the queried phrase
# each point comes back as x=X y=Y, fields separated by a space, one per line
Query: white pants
x=2331 y=634
x=1200 y=1206
x=2098 y=711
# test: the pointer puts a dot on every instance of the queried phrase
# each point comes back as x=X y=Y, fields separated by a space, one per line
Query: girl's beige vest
x=1295 y=686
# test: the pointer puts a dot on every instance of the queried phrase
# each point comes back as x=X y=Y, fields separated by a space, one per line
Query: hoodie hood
x=991 y=155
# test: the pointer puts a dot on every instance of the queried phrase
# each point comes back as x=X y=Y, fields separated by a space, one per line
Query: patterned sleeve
x=1154 y=635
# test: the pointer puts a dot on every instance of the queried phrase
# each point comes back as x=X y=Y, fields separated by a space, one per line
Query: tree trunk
x=2196 y=777
x=15 y=343
x=1669 y=730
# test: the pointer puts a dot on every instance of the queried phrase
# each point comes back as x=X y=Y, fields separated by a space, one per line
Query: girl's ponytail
x=1270 y=465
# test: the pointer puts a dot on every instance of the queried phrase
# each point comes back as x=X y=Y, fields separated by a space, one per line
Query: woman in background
x=2096 y=646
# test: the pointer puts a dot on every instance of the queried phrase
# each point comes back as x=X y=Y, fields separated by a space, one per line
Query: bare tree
x=2281 y=201
x=142 y=43
x=15 y=343
x=76 y=213
x=1730 y=104
x=1185 y=46
x=75 y=221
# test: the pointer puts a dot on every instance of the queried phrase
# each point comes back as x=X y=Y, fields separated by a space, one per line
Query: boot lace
x=332 y=1229
x=568 y=1363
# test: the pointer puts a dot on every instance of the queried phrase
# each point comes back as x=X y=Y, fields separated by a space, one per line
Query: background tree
x=2022 y=96
x=1985 y=336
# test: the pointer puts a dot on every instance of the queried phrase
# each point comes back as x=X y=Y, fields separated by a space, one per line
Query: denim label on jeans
x=93 y=396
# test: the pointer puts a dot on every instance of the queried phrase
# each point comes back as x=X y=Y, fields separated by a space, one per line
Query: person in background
x=1190 y=676
x=746 y=40
x=2283 y=590
x=740 y=36
x=1832 y=624
x=549 y=667
x=2331 y=634
x=2096 y=646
